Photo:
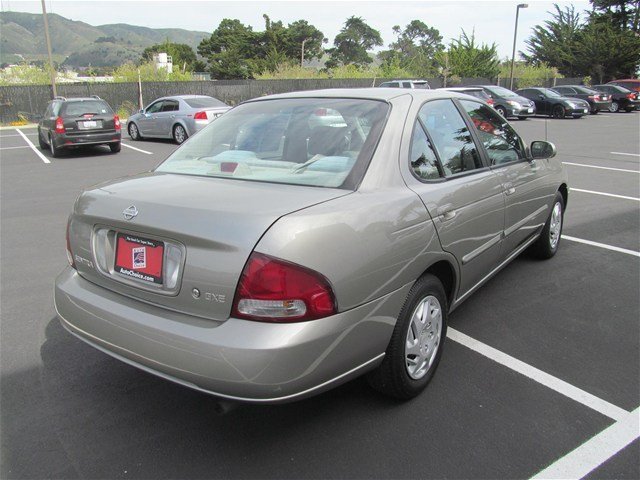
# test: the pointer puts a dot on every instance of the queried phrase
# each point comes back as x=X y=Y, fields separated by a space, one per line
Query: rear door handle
x=509 y=189
x=448 y=215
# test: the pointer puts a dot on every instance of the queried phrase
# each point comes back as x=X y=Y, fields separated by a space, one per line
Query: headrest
x=328 y=141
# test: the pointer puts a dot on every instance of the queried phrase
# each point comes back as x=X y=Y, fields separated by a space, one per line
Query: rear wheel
x=416 y=344
x=501 y=110
x=55 y=151
x=41 y=142
x=134 y=133
x=522 y=118
x=115 y=147
x=179 y=134
x=547 y=244
x=558 y=111
x=594 y=111
x=614 y=107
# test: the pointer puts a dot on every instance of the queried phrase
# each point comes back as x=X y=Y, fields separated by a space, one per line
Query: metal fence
x=31 y=100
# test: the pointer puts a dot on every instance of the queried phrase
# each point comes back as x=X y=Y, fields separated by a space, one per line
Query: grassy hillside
x=82 y=44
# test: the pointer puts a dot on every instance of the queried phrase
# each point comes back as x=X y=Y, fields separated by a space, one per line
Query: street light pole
x=52 y=72
x=515 y=34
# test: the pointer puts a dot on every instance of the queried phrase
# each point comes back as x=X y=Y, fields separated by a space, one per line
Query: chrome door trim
x=486 y=246
x=516 y=226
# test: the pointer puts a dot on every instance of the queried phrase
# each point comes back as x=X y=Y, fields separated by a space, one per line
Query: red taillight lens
x=116 y=122
x=631 y=96
x=69 y=253
x=490 y=101
x=272 y=290
x=200 y=116
x=59 y=125
x=592 y=97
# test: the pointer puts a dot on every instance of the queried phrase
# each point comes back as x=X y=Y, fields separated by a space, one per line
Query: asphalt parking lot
x=541 y=371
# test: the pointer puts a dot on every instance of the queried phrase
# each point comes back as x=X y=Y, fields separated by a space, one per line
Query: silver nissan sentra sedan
x=307 y=238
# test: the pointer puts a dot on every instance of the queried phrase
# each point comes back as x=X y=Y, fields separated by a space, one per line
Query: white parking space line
x=16 y=135
x=629 y=154
x=605 y=194
x=13 y=148
x=601 y=168
x=136 y=149
x=601 y=245
x=537 y=375
x=595 y=451
x=33 y=147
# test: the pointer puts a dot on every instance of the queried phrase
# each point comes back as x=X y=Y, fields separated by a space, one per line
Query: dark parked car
x=630 y=83
x=237 y=267
x=508 y=103
x=73 y=122
x=406 y=84
x=621 y=98
x=553 y=104
x=597 y=100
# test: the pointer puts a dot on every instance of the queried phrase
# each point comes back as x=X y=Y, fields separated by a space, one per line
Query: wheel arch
x=444 y=271
x=564 y=191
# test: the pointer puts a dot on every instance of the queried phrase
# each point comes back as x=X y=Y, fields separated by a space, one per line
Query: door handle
x=509 y=189
x=173 y=116
x=448 y=215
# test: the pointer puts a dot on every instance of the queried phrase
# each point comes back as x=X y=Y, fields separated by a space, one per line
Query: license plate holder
x=89 y=124
x=139 y=258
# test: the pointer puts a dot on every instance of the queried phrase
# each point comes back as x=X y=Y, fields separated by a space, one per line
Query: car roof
x=461 y=89
x=384 y=94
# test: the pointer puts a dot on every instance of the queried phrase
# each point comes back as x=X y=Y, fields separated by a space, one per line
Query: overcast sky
x=493 y=21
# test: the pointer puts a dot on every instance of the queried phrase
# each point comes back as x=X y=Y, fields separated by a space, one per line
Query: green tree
x=414 y=49
x=623 y=14
x=466 y=58
x=231 y=50
x=301 y=31
x=184 y=58
x=352 y=43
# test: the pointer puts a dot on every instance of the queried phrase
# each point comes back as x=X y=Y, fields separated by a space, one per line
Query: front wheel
x=595 y=111
x=547 y=244
x=416 y=344
x=501 y=110
x=179 y=134
x=522 y=118
x=134 y=133
x=614 y=107
x=558 y=111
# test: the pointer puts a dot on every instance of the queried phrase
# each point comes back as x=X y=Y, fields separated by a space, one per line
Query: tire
x=614 y=107
x=522 y=118
x=558 y=111
x=55 y=151
x=628 y=110
x=179 y=134
x=501 y=110
x=43 y=145
x=595 y=111
x=407 y=369
x=549 y=241
x=134 y=132
x=115 y=147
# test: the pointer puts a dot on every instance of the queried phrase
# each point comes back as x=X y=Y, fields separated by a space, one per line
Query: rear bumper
x=236 y=359
x=66 y=140
x=600 y=106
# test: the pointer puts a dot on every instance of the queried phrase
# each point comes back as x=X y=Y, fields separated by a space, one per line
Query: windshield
x=501 y=92
x=550 y=93
x=302 y=141
x=204 y=102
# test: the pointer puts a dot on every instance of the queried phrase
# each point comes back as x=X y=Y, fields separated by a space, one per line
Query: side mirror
x=542 y=150
x=141 y=110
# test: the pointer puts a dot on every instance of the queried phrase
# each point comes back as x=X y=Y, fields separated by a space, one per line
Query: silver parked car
x=176 y=117
x=275 y=256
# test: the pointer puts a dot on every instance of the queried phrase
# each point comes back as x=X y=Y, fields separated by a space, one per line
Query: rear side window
x=424 y=162
x=406 y=84
x=204 y=102
x=451 y=137
x=502 y=143
x=82 y=107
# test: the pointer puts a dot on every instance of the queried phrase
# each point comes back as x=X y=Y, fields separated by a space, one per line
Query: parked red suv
x=630 y=83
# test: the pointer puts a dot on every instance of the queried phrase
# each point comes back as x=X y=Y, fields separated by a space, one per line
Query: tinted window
x=424 y=162
x=502 y=143
x=406 y=84
x=56 y=108
x=81 y=107
x=564 y=90
x=501 y=91
x=169 y=106
x=154 y=107
x=451 y=138
x=303 y=141
x=204 y=102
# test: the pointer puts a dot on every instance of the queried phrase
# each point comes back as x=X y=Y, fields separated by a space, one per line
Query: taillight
x=116 y=122
x=592 y=97
x=200 y=116
x=273 y=290
x=72 y=263
x=490 y=101
x=631 y=96
x=59 y=125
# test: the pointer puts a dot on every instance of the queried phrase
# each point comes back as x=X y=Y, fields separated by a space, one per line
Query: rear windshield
x=204 y=102
x=323 y=142
x=586 y=90
x=501 y=92
x=81 y=107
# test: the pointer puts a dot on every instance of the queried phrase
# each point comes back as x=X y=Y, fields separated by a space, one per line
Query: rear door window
x=451 y=137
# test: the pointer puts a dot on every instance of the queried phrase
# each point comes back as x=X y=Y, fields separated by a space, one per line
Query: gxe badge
x=130 y=212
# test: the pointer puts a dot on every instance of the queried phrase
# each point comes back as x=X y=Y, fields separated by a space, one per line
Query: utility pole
x=48 y=38
x=515 y=34
x=302 y=53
